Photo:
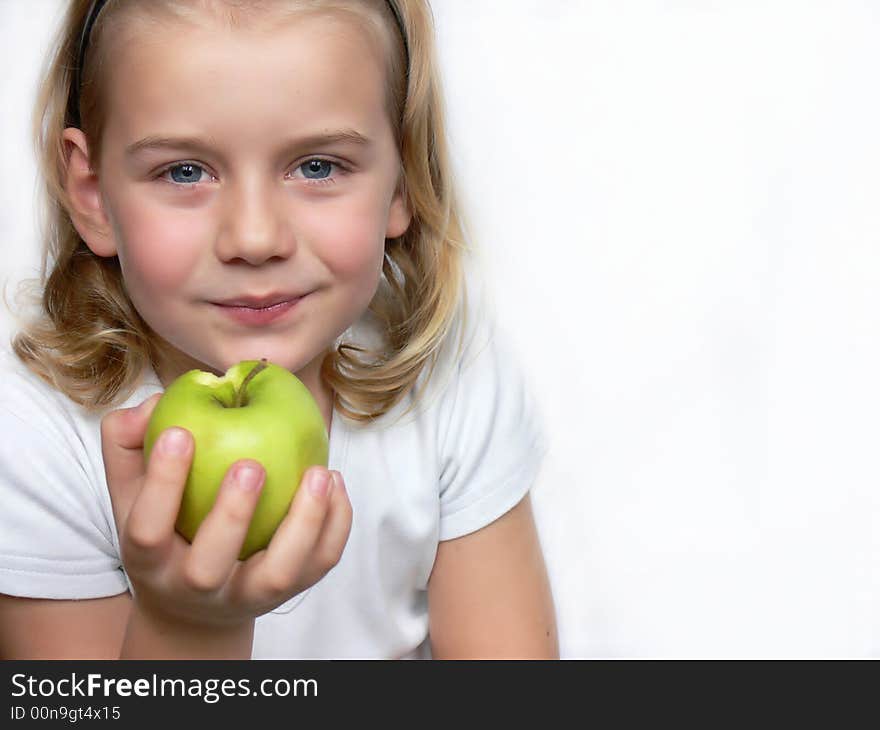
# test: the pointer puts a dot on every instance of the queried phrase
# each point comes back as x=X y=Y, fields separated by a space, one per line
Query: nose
x=254 y=224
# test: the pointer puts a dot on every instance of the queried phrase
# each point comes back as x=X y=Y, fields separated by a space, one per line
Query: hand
x=204 y=583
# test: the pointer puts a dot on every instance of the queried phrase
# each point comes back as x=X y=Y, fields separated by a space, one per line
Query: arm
x=489 y=595
x=33 y=628
x=106 y=628
x=194 y=601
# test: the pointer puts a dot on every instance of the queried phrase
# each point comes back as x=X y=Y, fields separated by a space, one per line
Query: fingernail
x=175 y=441
x=319 y=482
x=248 y=477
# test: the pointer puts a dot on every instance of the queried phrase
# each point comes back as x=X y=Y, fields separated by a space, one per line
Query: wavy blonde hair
x=88 y=340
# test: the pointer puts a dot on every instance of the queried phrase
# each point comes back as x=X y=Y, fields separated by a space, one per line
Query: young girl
x=235 y=180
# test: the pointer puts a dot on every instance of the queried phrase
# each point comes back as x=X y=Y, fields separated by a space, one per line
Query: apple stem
x=240 y=395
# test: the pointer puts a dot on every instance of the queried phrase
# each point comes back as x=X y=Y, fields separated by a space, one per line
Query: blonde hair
x=89 y=341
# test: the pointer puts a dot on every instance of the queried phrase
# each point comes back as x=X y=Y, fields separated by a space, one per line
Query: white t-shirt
x=468 y=454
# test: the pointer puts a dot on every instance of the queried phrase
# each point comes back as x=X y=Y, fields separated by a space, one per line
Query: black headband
x=92 y=16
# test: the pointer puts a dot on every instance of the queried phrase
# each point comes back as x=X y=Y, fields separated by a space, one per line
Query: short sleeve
x=54 y=538
x=494 y=442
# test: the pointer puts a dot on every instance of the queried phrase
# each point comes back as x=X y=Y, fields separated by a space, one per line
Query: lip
x=255 y=302
x=258 y=315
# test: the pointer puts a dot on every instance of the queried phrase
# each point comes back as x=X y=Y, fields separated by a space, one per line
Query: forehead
x=310 y=71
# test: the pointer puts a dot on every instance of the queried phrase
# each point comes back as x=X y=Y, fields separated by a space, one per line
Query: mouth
x=256 y=302
x=255 y=315
x=267 y=308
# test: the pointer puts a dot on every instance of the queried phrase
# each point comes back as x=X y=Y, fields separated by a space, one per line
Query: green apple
x=257 y=410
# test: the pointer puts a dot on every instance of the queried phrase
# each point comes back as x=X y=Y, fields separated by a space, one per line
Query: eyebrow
x=160 y=142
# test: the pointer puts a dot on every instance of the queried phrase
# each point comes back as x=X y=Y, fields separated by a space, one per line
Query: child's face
x=259 y=210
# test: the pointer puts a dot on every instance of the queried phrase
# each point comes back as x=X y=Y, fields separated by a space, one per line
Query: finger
x=150 y=525
x=122 y=439
x=275 y=572
x=218 y=541
x=337 y=528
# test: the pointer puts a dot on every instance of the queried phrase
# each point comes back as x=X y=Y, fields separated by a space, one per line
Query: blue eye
x=316 y=169
x=185 y=173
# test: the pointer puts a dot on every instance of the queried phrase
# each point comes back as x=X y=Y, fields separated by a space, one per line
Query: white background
x=678 y=205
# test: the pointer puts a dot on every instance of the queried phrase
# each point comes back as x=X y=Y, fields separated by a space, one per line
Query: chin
x=287 y=360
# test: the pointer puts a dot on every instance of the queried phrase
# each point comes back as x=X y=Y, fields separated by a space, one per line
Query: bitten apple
x=257 y=410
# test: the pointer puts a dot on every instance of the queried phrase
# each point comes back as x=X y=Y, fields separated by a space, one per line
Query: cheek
x=158 y=251
x=352 y=240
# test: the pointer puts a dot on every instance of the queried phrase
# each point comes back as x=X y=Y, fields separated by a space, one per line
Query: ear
x=84 y=196
x=399 y=215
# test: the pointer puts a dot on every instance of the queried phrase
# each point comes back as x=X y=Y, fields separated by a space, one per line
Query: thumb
x=122 y=442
